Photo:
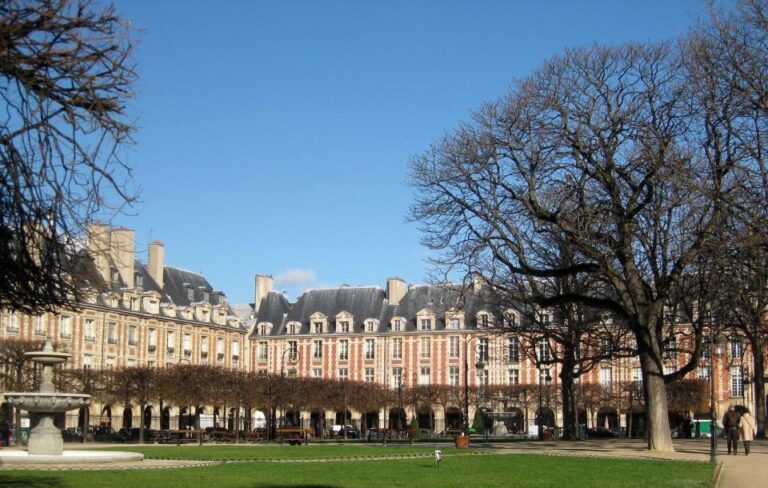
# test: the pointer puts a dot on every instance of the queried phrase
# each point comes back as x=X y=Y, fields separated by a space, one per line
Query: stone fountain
x=46 y=444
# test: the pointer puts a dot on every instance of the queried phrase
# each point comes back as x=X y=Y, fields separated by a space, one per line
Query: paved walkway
x=738 y=471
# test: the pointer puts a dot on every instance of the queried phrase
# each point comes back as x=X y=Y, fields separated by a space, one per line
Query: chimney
x=263 y=287
x=478 y=281
x=98 y=247
x=123 y=253
x=396 y=289
x=156 y=261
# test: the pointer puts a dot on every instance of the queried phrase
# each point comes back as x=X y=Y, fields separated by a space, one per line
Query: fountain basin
x=13 y=456
x=47 y=402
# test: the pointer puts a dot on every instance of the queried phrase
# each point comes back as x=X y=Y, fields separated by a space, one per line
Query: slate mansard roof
x=364 y=303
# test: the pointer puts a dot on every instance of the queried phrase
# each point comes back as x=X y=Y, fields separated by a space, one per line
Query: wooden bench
x=295 y=436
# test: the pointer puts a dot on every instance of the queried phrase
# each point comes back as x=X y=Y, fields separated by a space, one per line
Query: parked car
x=105 y=433
x=601 y=432
x=338 y=431
x=72 y=434
x=132 y=435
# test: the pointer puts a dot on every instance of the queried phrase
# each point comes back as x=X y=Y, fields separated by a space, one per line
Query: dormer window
x=190 y=291
x=344 y=327
x=426 y=324
x=370 y=325
x=139 y=280
x=317 y=327
x=205 y=295
x=482 y=320
x=115 y=276
x=293 y=328
x=397 y=325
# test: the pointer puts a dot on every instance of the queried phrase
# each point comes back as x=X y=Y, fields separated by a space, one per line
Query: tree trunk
x=570 y=419
x=759 y=389
x=655 y=391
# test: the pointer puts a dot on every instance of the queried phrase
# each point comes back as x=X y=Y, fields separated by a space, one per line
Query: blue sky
x=275 y=135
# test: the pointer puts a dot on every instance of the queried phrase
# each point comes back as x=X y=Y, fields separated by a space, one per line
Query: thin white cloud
x=296 y=278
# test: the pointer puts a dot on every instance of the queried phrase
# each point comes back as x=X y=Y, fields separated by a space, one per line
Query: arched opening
x=106 y=416
x=425 y=418
x=292 y=419
x=397 y=419
x=454 y=418
x=370 y=421
x=165 y=418
x=317 y=423
x=148 y=417
x=231 y=417
x=127 y=418
x=344 y=418
x=83 y=418
x=608 y=418
x=545 y=417
x=515 y=420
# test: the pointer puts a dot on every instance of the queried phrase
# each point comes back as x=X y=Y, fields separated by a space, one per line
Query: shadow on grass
x=12 y=481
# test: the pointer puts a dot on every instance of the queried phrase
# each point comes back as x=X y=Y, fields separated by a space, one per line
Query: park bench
x=294 y=437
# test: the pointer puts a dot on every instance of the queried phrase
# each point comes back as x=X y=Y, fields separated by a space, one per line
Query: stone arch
x=106 y=416
x=608 y=417
x=317 y=423
x=148 y=416
x=545 y=417
x=454 y=418
x=370 y=421
x=397 y=419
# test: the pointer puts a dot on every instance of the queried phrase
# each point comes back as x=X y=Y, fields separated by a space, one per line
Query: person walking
x=731 y=426
x=747 y=428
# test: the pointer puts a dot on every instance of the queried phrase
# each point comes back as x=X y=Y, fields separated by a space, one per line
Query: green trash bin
x=25 y=436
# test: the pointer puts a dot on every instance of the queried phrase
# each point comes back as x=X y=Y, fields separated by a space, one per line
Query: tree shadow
x=14 y=480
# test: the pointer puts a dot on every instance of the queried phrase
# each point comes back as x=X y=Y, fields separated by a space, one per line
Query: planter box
x=462 y=441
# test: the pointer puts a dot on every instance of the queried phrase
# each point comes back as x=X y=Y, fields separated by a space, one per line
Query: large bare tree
x=65 y=80
x=617 y=152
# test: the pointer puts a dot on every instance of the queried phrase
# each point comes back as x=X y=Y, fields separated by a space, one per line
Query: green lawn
x=463 y=471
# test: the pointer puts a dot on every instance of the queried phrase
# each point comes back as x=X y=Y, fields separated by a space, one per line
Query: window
x=425 y=374
x=637 y=374
x=171 y=342
x=204 y=348
x=542 y=350
x=317 y=327
x=219 y=349
x=370 y=348
x=66 y=327
x=453 y=376
x=514 y=376
x=482 y=350
x=152 y=340
x=737 y=381
x=112 y=332
x=453 y=347
x=343 y=374
x=370 y=326
x=397 y=348
x=606 y=346
x=344 y=350
x=426 y=324
x=344 y=327
x=190 y=293
x=397 y=377
x=453 y=323
x=702 y=372
x=132 y=335
x=262 y=353
x=425 y=351
x=262 y=329
x=89 y=331
x=235 y=351
x=369 y=375
x=513 y=350
x=606 y=375
x=40 y=325
x=87 y=360
x=130 y=363
x=397 y=325
x=187 y=345
x=13 y=322
x=545 y=318
x=317 y=349
x=292 y=329
x=670 y=348
x=110 y=363
x=737 y=347
x=510 y=319
x=483 y=320
x=482 y=377
x=317 y=372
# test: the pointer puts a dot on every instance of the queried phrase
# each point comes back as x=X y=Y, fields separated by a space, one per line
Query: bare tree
x=17 y=372
x=612 y=151
x=66 y=78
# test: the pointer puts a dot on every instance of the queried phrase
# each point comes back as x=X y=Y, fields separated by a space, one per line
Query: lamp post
x=540 y=418
x=479 y=365
x=291 y=356
x=717 y=349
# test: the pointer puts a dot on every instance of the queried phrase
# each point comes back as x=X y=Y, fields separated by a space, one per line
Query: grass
x=456 y=471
